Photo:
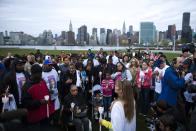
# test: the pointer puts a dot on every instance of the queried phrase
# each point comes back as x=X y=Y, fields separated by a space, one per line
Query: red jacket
x=37 y=92
x=146 y=81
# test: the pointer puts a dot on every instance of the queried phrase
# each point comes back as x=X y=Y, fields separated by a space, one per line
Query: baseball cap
x=47 y=62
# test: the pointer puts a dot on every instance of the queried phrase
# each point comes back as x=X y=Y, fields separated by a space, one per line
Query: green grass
x=4 y=51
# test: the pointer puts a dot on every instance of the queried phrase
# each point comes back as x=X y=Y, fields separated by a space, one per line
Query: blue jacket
x=171 y=83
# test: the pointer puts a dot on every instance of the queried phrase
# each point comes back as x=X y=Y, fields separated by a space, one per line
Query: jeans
x=107 y=102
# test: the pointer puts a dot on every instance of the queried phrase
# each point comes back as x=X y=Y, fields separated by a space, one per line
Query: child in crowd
x=97 y=102
x=107 y=87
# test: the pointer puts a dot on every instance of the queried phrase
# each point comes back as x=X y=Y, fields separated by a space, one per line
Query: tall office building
x=70 y=35
x=131 y=30
x=70 y=26
x=82 y=36
x=162 y=35
x=102 y=36
x=124 y=29
x=63 y=35
x=93 y=39
x=16 y=38
x=186 y=35
x=6 y=33
x=147 y=32
x=1 y=38
x=171 y=32
x=109 y=37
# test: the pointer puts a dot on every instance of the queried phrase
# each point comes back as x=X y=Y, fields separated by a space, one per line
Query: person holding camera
x=172 y=82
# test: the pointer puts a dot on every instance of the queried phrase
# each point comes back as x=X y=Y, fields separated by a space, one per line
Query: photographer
x=172 y=82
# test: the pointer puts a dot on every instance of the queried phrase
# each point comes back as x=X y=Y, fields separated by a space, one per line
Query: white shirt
x=20 y=79
x=158 y=85
x=51 y=79
x=95 y=62
x=115 y=59
x=118 y=119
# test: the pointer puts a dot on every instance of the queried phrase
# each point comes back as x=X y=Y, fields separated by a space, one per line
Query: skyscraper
x=71 y=37
x=162 y=35
x=124 y=29
x=147 y=32
x=1 y=38
x=94 y=31
x=186 y=28
x=102 y=36
x=171 y=32
x=70 y=26
x=131 y=30
x=109 y=37
x=16 y=38
x=93 y=39
x=82 y=36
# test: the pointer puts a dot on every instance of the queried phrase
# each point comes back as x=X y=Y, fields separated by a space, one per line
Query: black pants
x=145 y=100
x=82 y=124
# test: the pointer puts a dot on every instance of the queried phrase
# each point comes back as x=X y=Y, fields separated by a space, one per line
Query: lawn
x=4 y=51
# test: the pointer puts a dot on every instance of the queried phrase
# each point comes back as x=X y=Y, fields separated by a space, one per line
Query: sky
x=35 y=16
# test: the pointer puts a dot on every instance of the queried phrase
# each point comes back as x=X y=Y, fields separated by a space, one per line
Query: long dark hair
x=127 y=98
x=123 y=66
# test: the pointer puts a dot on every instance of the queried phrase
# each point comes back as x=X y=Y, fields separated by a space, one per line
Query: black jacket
x=78 y=100
x=10 y=79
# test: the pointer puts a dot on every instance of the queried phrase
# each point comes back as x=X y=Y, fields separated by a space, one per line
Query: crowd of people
x=40 y=90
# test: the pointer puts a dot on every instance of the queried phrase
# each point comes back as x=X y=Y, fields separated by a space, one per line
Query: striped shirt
x=107 y=87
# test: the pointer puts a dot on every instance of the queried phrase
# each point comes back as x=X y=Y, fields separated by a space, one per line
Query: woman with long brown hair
x=123 y=113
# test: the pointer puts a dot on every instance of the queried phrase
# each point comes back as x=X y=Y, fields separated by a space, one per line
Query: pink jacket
x=107 y=87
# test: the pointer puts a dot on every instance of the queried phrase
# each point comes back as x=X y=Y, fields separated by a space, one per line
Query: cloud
x=34 y=16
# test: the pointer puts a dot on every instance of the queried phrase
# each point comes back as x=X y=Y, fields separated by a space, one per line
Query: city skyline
x=33 y=17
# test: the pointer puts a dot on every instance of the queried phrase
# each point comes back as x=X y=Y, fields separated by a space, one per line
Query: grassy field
x=4 y=51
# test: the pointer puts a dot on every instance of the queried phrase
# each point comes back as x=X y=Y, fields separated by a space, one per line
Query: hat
x=47 y=62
